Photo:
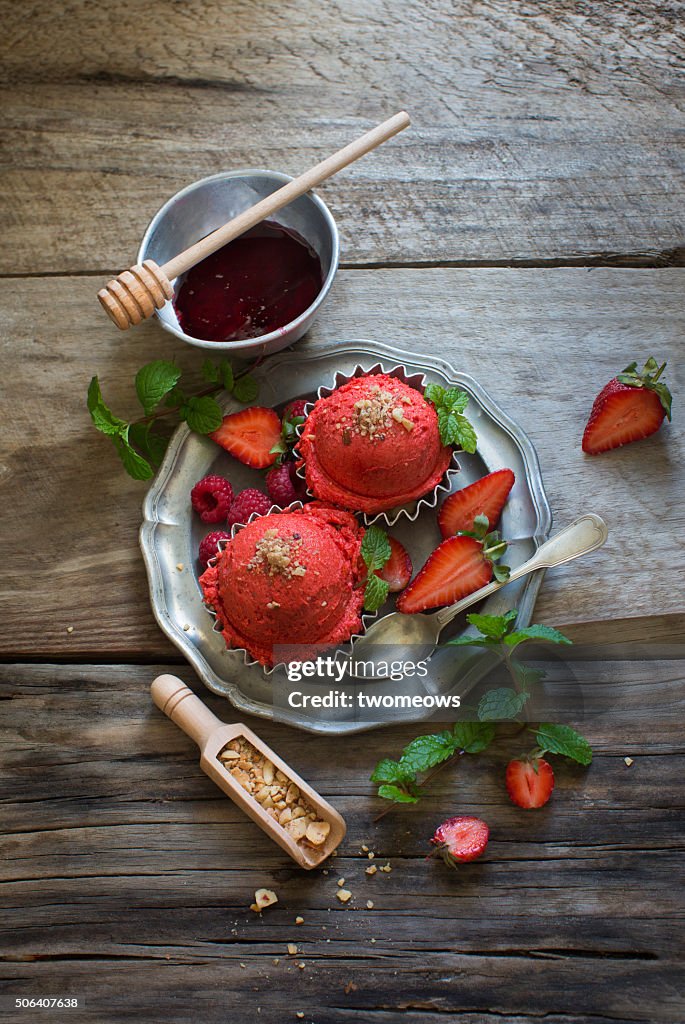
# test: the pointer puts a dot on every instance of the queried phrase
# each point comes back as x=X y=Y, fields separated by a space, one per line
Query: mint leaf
x=203 y=415
x=464 y=435
x=472 y=641
x=562 y=739
x=499 y=704
x=375 y=593
x=434 y=394
x=472 y=737
x=397 y=795
x=210 y=372
x=536 y=632
x=455 y=400
x=134 y=464
x=388 y=770
x=103 y=418
x=157 y=446
x=494 y=626
x=154 y=381
x=227 y=378
x=375 y=547
x=426 y=751
x=246 y=389
x=526 y=676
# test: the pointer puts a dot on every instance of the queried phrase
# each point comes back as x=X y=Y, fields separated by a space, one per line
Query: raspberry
x=211 y=498
x=248 y=501
x=294 y=409
x=280 y=486
x=210 y=545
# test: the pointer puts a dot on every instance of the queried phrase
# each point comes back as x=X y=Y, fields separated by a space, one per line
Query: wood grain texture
x=69 y=550
x=126 y=876
x=542 y=131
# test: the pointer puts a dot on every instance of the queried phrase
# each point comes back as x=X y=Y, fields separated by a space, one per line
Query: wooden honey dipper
x=133 y=296
x=179 y=703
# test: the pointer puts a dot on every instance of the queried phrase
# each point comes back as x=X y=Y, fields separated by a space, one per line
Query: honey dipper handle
x=277 y=200
x=179 y=703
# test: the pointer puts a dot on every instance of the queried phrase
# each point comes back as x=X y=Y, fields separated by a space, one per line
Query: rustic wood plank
x=70 y=555
x=121 y=858
x=541 y=132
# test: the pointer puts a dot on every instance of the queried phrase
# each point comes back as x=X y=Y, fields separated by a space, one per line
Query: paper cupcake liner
x=248 y=660
x=412 y=509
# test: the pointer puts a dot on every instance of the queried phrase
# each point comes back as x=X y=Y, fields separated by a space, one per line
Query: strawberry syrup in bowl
x=259 y=293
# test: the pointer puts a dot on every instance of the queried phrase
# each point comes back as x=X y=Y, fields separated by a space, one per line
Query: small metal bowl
x=205 y=205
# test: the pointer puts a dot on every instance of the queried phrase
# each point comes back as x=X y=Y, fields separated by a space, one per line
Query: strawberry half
x=629 y=408
x=529 y=782
x=460 y=839
x=250 y=435
x=456 y=568
x=397 y=570
x=486 y=497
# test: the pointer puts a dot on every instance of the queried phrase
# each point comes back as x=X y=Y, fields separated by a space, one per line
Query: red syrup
x=251 y=286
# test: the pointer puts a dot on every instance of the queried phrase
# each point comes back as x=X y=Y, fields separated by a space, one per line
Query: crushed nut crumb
x=386 y=868
x=341 y=882
x=369 y=904
x=180 y=566
x=344 y=895
x=299 y=920
x=628 y=761
x=277 y=554
x=365 y=849
x=292 y=949
x=371 y=870
x=374 y=414
x=371 y=855
x=70 y=629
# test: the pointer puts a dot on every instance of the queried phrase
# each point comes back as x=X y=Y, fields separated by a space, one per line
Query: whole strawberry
x=460 y=839
x=529 y=782
x=629 y=408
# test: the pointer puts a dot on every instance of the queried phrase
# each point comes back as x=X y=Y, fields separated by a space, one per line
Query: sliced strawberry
x=629 y=408
x=529 y=783
x=456 y=568
x=250 y=435
x=397 y=570
x=461 y=839
x=486 y=497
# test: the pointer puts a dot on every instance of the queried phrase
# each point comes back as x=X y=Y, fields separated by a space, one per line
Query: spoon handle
x=586 y=534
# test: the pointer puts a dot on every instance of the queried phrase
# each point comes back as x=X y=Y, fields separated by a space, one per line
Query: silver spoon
x=415 y=637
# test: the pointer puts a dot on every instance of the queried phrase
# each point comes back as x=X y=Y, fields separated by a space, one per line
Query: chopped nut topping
x=299 y=920
x=278 y=555
x=374 y=414
x=371 y=870
x=628 y=761
x=264 y=898
x=386 y=868
x=317 y=832
x=344 y=895
x=369 y=904
x=179 y=566
x=292 y=949
x=365 y=849
x=407 y=424
x=341 y=882
x=371 y=855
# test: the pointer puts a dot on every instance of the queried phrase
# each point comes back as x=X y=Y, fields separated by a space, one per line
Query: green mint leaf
x=525 y=675
x=210 y=372
x=375 y=547
x=494 y=626
x=138 y=436
x=503 y=703
x=246 y=389
x=227 y=378
x=388 y=770
x=154 y=381
x=203 y=415
x=375 y=593
x=561 y=739
x=134 y=464
x=443 y=425
x=472 y=641
x=464 y=435
x=426 y=751
x=473 y=737
x=536 y=632
x=157 y=446
x=103 y=418
x=175 y=397
x=397 y=795
x=434 y=394
x=455 y=400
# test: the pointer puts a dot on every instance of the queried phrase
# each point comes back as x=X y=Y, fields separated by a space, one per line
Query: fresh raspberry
x=210 y=545
x=280 y=486
x=248 y=501
x=211 y=498
x=294 y=409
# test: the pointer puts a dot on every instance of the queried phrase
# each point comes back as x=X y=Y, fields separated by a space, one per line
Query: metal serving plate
x=170 y=533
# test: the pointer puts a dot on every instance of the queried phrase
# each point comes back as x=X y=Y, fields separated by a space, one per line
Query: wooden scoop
x=133 y=296
x=213 y=737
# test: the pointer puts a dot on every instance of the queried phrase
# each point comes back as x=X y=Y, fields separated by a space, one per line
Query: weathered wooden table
x=528 y=228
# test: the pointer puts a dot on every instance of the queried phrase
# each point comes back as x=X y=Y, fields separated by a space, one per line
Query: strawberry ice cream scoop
x=372 y=445
x=289 y=578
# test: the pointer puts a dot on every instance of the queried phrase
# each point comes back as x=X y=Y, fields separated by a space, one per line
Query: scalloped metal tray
x=170 y=533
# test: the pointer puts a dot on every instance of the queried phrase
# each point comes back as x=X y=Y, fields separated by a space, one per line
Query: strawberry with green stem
x=630 y=407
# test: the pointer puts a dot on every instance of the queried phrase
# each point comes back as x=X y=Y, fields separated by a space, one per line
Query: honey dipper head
x=133 y=296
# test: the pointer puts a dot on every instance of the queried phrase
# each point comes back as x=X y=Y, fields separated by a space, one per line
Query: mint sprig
x=139 y=445
x=563 y=740
x=375 y=551
x=399 y=781
x=454 y=427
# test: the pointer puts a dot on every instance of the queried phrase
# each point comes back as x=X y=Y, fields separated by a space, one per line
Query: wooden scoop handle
x=179 y=703
x=134 y=294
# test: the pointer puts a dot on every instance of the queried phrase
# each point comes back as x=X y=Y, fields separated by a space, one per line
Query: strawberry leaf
x=503 y=703
x=561 y=739
x=154 y=381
